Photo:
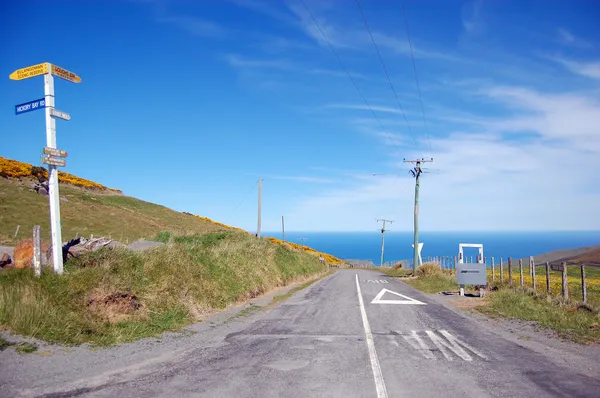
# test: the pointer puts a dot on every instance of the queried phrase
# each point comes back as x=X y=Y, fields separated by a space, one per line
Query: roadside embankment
x=115 y=295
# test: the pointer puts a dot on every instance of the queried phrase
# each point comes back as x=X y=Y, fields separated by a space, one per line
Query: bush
x=429 y=269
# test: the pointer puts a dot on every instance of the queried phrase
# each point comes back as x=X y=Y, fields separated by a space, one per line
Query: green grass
x=400 y=272
x=147 y=293
x=570 y=322
x=26 y=348
x=434 y=283
x=124 y=218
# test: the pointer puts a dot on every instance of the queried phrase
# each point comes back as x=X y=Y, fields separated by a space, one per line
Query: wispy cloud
x=196 y=26
x=239 y=61
x=376 y=108
x=568 y=38
x=587 y=69
x=471 y=17
x=545 y=147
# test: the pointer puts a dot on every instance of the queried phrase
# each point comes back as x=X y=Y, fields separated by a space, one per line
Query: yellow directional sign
x=30 y=71
x=64 y=74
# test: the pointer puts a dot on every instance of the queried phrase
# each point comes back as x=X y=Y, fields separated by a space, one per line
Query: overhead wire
x=412 y=55
x=385 y=70
x=349 y=75
x=243 y=200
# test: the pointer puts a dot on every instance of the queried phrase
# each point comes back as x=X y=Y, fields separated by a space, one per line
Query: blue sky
x=188 y=103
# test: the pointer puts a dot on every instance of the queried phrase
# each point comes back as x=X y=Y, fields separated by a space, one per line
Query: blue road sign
x=30 y=106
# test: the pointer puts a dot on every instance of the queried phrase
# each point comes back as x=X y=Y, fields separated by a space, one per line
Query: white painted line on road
x=375 y=366
x=375 y=281
x=415 y=341
x=454 y=345
x=407 y=300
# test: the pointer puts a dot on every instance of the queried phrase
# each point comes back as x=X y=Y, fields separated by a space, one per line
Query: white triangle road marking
x=407 y=300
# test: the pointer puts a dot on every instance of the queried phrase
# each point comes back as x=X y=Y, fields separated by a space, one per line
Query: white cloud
x=534 y=169
x=568 y=38
x=242 y=62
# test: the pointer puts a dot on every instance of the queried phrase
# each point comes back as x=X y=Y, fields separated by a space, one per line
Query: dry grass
x=90 y=212
x=114 y=295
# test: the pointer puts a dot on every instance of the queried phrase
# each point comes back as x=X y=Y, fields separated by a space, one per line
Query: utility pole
x=282 y=230
x=416 y=173
x=259 y=206
x=383 y=237
x=302 y=240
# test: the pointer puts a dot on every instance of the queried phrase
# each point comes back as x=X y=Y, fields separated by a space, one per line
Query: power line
x=348 y=74
x=243 y=200
x=412 y=55
x=385 y=69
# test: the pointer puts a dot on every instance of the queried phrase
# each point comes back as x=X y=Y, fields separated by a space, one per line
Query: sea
x=398 y=244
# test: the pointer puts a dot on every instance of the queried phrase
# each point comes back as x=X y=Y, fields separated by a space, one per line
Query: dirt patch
x=115 y=307
x=466 y=303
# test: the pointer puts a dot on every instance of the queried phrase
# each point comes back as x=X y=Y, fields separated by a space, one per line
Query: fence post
x=583 y=285
x=548 y=279
x=510 y=278
x=532 y=267
x=17 y=231
x=501 y=270
x=37 y=250
x=493 y=270
x=454 y=265
x=521 y=271
x=565 y=282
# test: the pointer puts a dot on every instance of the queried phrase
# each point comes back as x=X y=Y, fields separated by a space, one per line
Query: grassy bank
x=570 y=321
x=113 y=295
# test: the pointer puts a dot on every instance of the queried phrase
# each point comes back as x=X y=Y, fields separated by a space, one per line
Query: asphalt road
x=333 y=340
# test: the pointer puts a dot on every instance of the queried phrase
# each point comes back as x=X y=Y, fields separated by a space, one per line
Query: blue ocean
x=398 y=245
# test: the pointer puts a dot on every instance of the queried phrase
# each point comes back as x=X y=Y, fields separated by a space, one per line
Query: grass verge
x=113 y=295
x=570 y=321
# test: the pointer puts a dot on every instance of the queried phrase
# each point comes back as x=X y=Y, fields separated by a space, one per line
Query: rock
x=5 y=260
x=143 y=245
x=42 y=191
x=64 y=199
x=23 y=257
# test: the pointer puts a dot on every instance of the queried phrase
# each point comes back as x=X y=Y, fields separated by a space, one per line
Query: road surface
x=356 y=333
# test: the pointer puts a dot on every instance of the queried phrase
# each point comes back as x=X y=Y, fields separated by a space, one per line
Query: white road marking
x=453 y=344
x=375 y=366
x=415 y=341
x=407 y=300
x=375 y=281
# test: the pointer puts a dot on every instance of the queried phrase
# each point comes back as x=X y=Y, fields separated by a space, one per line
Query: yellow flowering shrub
x=327 y=257
x=14 y=169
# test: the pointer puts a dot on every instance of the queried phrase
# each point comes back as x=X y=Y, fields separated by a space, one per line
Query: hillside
x=90 y=208
x=85 y=212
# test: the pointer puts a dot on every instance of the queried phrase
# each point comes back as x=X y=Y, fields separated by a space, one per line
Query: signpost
x=30 y=106
x=53 y=160
x=59 y=114
x=30 y=71
x=55 y=152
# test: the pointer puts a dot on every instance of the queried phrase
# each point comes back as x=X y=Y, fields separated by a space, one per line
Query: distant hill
x=590 y=255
